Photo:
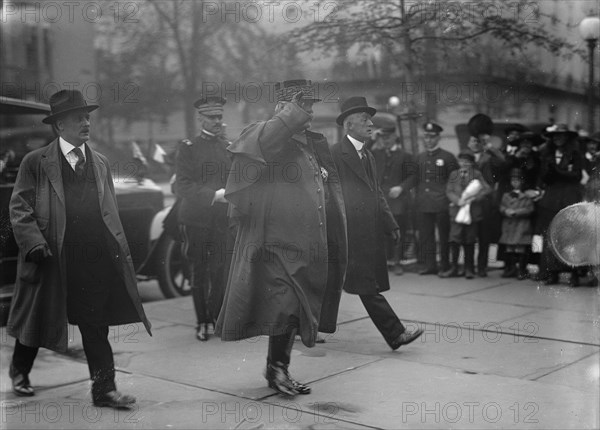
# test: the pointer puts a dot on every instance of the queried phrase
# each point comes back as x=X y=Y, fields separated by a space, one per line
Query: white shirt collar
x=358 y=145
x=66 y=147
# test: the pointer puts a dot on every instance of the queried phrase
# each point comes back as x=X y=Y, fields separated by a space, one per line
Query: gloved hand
x=38 y=254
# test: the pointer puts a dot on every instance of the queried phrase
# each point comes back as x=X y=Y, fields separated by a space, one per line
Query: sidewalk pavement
x=496 y=353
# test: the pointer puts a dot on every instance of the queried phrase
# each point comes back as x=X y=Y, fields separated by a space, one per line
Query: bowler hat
x=480 y=124
x=284 y=91
x=556 y=129
x=352 y=105
x=66 y=101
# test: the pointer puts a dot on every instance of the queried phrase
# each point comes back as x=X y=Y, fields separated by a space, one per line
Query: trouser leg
x=383 y=316
x=23 y=358
x=443 y=225
x=469 y=259
x=280 y=347
x=99 y=357
x=427 y=240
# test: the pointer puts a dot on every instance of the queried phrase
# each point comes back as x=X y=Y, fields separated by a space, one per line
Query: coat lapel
x=99 y=173
x=51 y=164
x=352 y=159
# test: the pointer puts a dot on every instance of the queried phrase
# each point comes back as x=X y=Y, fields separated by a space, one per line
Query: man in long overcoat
x=369 y=220
x=74 y=262
x=290 y=252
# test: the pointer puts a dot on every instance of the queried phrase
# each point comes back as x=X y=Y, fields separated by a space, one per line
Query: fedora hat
x=66 y=101
x=354 y=105
x=284 y=91
x=555 y=129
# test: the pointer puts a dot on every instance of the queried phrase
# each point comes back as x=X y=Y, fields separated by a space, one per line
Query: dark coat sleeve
x=23 y=218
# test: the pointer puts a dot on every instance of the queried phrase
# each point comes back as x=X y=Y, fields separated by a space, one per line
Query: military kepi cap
x=284 y=91
x=432 y=127
x=64 y=102
x=210 y=105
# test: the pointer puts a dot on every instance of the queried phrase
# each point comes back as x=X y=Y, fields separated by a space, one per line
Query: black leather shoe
x=20 y=383
x=202 y=332
x=279 y=379
x=470 y=275
x=482 y=273
x=114 y=399
x=406 y=338
x=428 y=272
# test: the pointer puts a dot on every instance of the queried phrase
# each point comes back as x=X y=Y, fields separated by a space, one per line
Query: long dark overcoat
x=369 y=220
x=290 y=252
x=38 y=315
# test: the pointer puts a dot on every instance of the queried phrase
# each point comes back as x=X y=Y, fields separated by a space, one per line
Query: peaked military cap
x=210 y=105
x=432 y=127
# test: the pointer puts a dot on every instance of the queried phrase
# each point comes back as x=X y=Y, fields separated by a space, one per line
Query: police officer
x=202 y=166
x=431 y=173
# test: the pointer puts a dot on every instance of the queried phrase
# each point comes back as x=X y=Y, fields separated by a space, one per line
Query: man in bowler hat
x=369 y=221
x=202 y=166
x=74 y=263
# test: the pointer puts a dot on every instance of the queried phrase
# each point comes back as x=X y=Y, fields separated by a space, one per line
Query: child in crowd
x=516 y=208
x=464 y=231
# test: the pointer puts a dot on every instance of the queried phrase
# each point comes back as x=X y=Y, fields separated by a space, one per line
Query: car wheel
x=173 y=273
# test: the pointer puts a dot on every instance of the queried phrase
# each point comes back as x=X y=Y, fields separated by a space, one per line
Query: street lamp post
x=589 y=28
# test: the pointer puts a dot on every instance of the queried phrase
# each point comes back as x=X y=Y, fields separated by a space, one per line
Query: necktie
x=80 y=165
x=365 y=162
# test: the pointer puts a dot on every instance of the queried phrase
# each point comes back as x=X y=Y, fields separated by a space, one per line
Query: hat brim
x=571 y=134
x=51 y=118
x=368 y=109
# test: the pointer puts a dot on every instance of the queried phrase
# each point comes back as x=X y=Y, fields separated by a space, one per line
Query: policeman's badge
x=324 y=174
x=439 y=162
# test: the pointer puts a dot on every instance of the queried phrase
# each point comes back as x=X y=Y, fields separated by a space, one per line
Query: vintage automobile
x=156 y=255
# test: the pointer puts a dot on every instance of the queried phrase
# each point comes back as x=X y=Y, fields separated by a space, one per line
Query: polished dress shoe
x=20 y=383
x=114 y=399
x=279 y=379
x=482 y=273
x=202 y=332
x=428 y=272
x=406 y=338
x=398 y=270
x=470 y=275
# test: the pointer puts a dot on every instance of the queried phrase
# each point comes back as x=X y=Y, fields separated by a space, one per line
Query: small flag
x=137 y=152
x=159 y=154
